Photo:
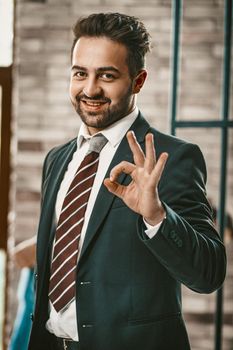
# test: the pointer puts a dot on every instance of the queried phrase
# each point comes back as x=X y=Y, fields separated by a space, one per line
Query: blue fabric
x=22 y=325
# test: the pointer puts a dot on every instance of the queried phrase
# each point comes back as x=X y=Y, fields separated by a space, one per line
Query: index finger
x=138 y=154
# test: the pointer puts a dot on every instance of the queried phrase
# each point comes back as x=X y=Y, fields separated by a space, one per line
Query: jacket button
x=173 y=235
x=87 y=325
x=32 y=317
x=180 y=243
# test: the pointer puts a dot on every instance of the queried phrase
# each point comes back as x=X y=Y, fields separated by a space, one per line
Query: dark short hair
x=127 y=30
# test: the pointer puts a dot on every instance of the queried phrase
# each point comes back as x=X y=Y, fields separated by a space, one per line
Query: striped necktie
x=69 y=227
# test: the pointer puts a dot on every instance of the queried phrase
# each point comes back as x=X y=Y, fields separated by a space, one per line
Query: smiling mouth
x=94 y=103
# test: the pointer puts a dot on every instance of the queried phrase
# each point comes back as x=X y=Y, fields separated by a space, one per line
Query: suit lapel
x=104 y=198
x=50 y=189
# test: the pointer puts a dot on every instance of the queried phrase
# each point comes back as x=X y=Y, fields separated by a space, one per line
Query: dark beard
x=111 y=115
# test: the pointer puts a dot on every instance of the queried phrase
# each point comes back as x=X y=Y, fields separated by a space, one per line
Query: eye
x=80 y=74
x=108 y=76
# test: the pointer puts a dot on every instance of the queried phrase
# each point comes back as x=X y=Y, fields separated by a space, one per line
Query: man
x=109 y=278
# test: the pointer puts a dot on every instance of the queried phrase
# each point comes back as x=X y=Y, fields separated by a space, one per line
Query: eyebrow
x=99 y=70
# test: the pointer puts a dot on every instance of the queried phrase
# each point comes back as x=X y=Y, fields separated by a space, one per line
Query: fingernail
x=132 y=133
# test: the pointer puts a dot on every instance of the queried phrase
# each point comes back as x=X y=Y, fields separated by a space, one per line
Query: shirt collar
x=113 y=133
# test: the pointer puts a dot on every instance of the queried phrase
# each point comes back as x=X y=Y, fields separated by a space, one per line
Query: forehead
x=96 y=52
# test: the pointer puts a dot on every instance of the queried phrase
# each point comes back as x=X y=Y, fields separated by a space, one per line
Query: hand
x=141 y=195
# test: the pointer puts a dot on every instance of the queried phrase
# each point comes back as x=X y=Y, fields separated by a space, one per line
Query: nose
x=91 y=87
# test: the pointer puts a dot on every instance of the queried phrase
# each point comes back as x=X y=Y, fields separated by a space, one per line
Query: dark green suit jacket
x=129 y=286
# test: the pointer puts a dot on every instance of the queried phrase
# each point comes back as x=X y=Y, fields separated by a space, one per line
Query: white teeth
x=94 y=104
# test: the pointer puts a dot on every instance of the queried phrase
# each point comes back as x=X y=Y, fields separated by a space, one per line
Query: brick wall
x=41 y=103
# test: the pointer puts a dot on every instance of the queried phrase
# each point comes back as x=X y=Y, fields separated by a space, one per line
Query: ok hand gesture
x=141 y=195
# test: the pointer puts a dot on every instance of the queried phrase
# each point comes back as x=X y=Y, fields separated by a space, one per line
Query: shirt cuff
x=151 y=230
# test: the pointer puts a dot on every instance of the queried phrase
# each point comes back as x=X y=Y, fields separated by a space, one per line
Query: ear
x=139 y=81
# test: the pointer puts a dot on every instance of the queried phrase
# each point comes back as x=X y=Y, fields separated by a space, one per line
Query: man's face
x=101 y=89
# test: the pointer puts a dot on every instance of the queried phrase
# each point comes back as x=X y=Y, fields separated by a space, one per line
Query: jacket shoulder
x=168 y=143
x=167 y=139
x=53 y=154
x=55 y=151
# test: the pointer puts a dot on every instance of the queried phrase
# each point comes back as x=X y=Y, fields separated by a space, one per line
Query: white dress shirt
x=64 y=323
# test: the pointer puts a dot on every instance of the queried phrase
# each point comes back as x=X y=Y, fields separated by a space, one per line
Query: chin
x=89 y=121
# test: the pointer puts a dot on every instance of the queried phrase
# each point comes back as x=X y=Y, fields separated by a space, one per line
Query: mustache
x=99 y=97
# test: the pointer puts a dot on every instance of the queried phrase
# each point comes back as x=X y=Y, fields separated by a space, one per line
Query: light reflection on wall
x=6 y=32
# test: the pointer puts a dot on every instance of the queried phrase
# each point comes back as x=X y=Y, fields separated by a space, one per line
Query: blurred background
x=188 y=92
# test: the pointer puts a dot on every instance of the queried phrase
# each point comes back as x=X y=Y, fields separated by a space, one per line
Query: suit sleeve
x=187 y=244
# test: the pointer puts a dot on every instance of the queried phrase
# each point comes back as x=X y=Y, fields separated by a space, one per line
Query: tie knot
x=97 y=142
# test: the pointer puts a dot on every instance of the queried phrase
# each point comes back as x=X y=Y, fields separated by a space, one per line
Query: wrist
x=156 y=219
